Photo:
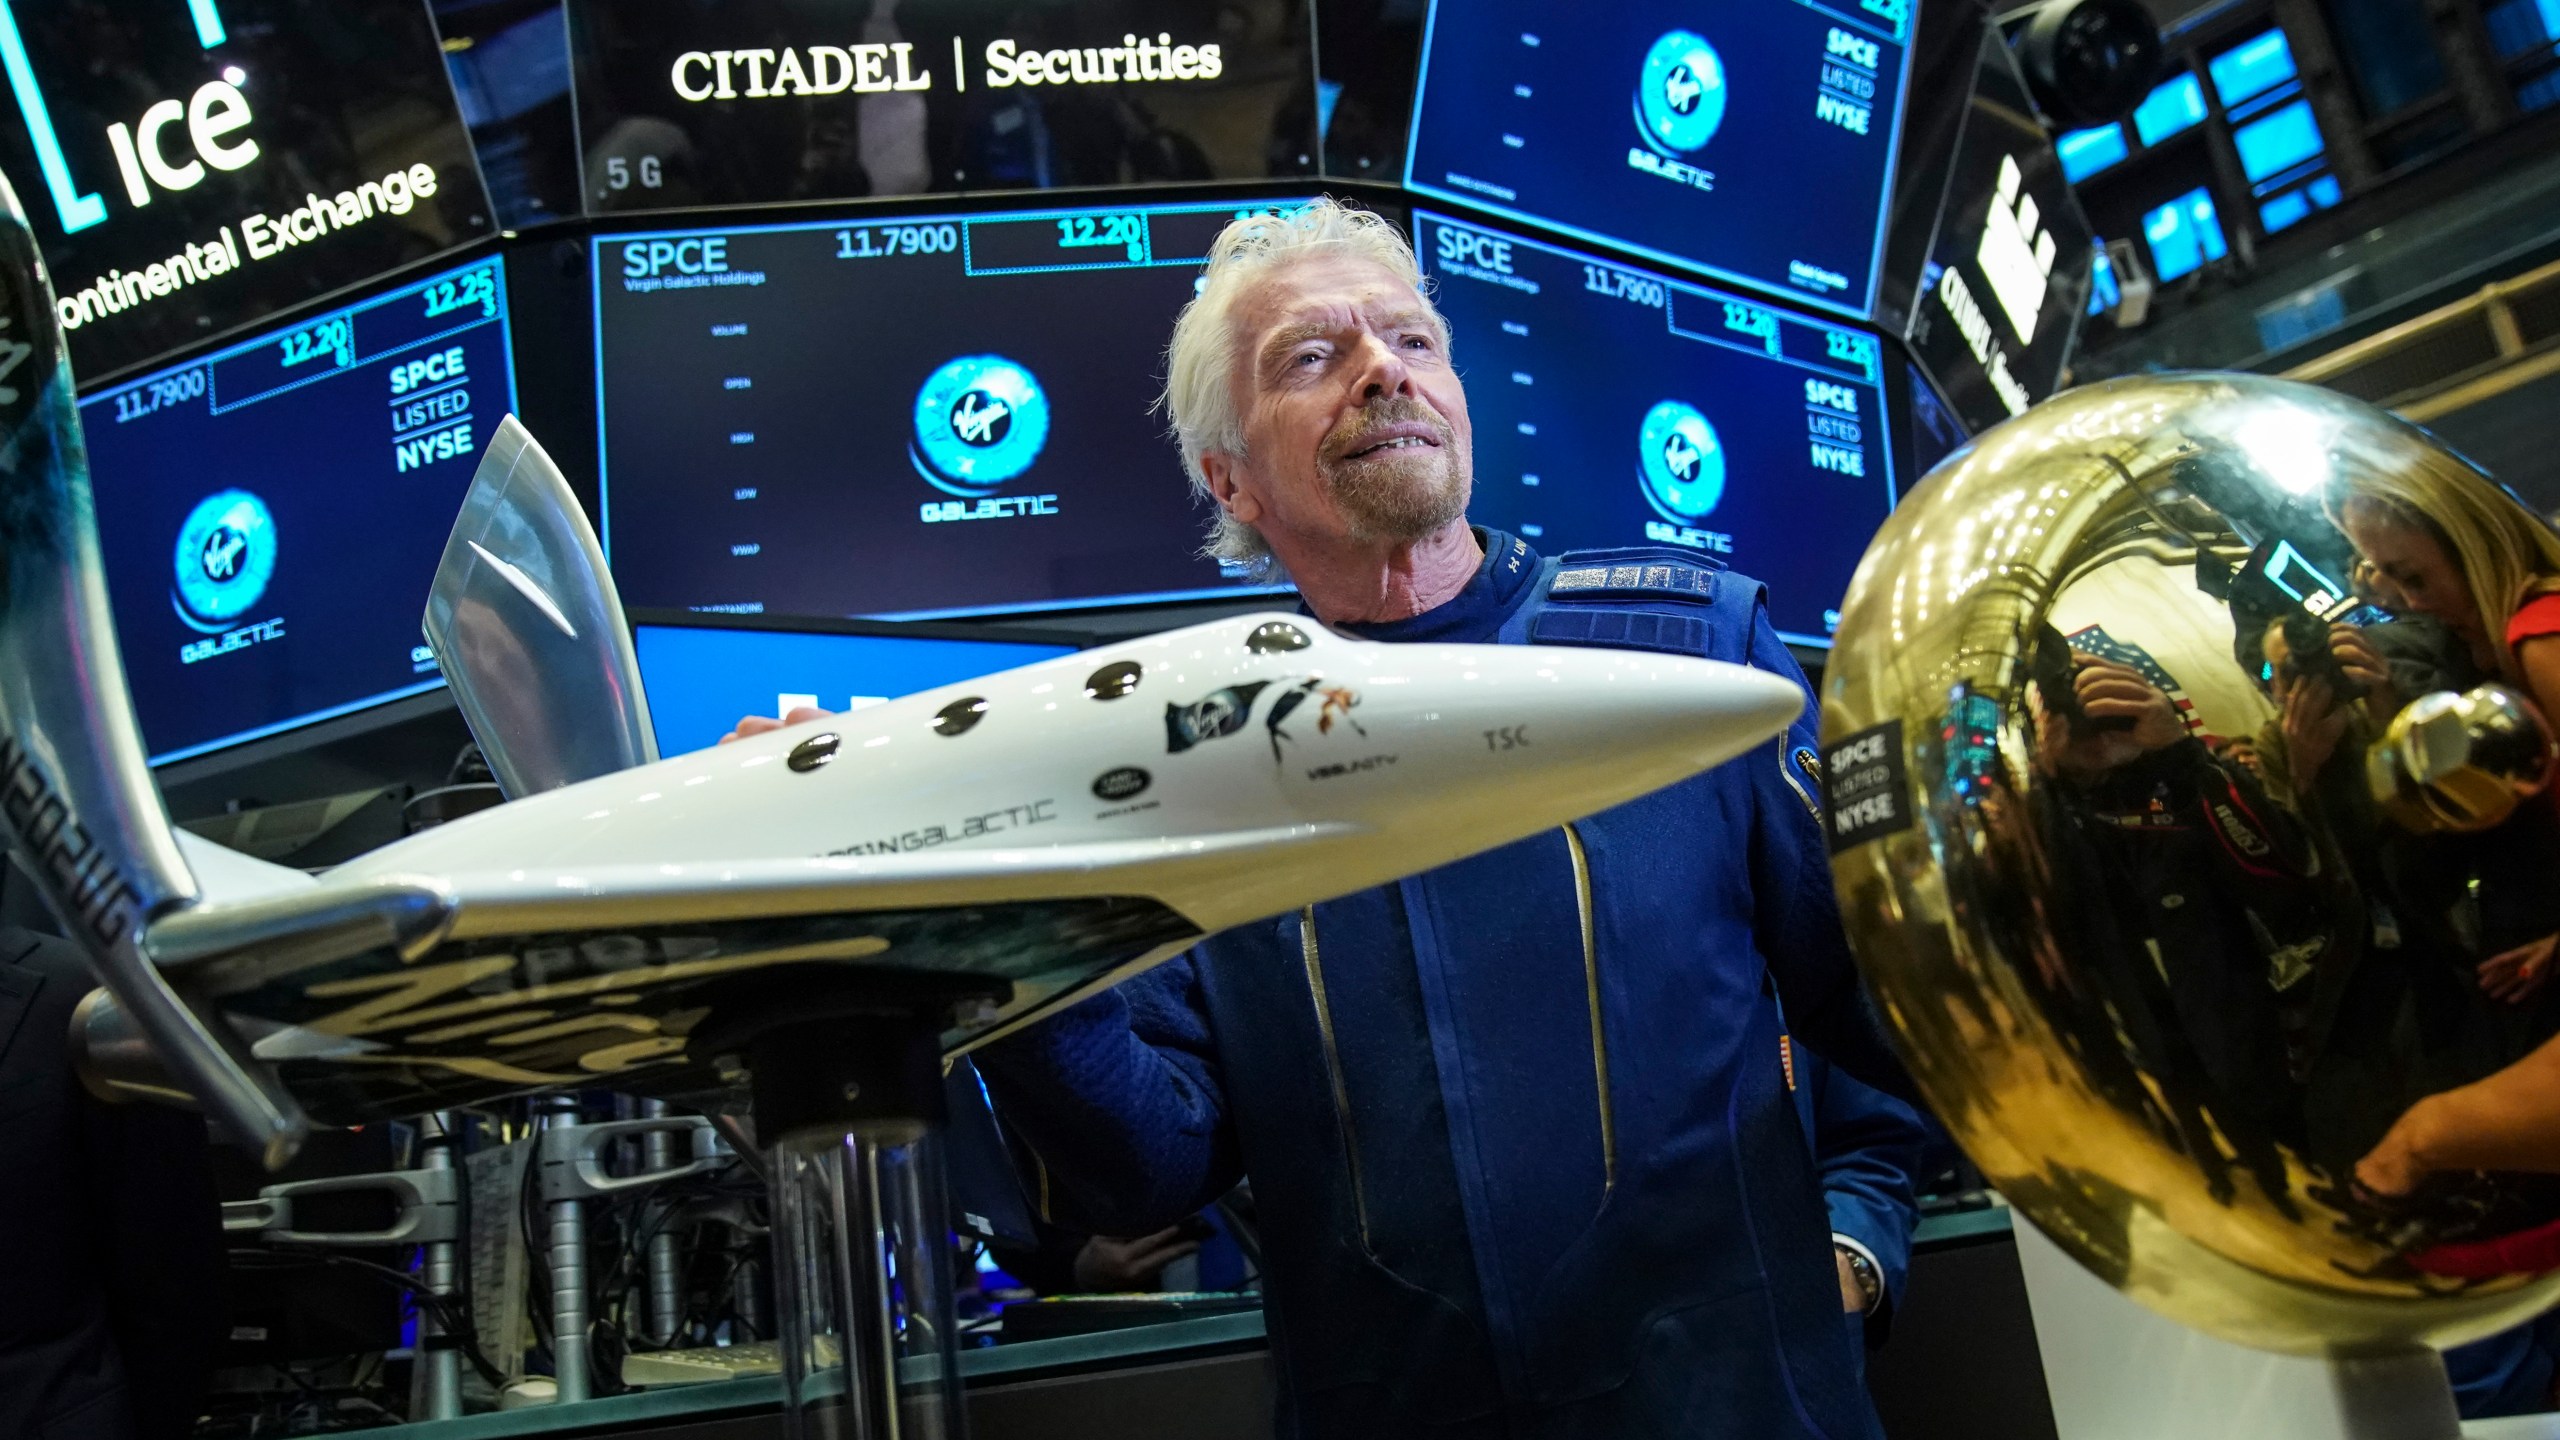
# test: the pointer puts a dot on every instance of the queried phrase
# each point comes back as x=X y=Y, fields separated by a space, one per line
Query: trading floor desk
x=1962 y=1362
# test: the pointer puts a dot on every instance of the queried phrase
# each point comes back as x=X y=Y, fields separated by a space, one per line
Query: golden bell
x=2160 y=945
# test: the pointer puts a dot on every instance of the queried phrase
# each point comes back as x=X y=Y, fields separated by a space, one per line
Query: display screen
x=2184 y=234
x=194 y=168
x=701 y=679
x=1614 y=406
x=2252 y=67
x=1753 y=140
x=901 y=418
x=271 y=515
x=2175 y=106
x=704 y=102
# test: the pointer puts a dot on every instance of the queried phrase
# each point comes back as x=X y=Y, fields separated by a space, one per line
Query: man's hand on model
x=760 y=724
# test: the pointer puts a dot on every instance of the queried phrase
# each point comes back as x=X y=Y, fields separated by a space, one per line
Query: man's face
x=1355 y=425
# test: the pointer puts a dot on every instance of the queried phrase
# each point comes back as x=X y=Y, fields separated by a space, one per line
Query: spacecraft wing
x=395 y=993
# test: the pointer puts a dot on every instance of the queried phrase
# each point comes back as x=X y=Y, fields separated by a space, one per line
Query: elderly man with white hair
x=1519 y=1129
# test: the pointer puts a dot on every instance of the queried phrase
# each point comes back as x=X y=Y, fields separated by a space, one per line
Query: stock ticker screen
x=271 y=515
x=1615 y=406
x=899 y=418
x=1752 y=140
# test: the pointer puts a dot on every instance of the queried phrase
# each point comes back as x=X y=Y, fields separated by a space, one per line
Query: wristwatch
x=1863 y=1270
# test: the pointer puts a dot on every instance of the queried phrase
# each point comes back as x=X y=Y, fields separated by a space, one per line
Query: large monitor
x=271 y=515
x=1753 y=141
x=913 y=417
x=1615 y=406
x=704 y=672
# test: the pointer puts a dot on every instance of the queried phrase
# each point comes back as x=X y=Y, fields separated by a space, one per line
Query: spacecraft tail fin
x=529 y=631
x=76 y=798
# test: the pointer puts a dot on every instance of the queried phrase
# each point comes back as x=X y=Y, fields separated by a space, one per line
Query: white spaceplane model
x=986 y=851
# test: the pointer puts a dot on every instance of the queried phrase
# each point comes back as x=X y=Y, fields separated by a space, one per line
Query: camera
x=2307 y=654
x=2055 y=670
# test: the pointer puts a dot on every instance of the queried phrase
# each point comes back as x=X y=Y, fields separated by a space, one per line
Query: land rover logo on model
x=1124 y=783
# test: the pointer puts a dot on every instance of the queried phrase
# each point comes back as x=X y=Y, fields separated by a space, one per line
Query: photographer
x=2206 y=902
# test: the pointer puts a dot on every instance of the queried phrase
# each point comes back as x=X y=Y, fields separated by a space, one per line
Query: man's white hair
x=1200 y=363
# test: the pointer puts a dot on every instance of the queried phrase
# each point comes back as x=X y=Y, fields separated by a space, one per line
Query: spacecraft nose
x=1553 y=733
x=1679 y=714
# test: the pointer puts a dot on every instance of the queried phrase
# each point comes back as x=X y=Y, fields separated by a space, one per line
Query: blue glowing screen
x=2277 y=143
x=701 y=679
x=2176 y=105
x=2086 y=152
x=1616 y=406
x=2252 y=67
x=270 y=515
x=2183 y=234
x=1751 y=142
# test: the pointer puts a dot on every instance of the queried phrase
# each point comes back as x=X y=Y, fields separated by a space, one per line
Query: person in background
x=108 y=1315
x=2468 y=557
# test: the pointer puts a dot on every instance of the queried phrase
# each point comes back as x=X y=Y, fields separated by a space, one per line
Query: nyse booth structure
x=845 y=328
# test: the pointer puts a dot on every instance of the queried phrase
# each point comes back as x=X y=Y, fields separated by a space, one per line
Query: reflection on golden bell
x=2099 y=719
x=2460 y=762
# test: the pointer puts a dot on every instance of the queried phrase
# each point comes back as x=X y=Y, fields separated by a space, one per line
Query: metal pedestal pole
x=666 y=1298
x=439 y=1352
x=565 y=1251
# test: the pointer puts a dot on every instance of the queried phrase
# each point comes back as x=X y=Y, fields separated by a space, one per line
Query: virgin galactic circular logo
x=226 y=555
x=980 y=421
x=1681 y=460
x=1680 y=100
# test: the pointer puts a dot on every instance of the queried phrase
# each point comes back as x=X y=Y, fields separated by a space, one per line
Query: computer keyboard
x=712 y=1362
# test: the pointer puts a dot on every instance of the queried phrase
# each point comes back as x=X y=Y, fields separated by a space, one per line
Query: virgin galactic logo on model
x=1681 y=460
x=1680 y=100
x=226 y=555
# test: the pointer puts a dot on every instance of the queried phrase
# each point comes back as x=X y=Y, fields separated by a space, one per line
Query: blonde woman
x=2476 y=560
x=2472 y=558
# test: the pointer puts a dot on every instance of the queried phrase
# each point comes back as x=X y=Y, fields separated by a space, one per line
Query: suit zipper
x=1333 y=1067
x=1591 y=994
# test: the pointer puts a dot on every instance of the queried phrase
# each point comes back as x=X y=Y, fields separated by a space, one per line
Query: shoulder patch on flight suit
x=1654 y=580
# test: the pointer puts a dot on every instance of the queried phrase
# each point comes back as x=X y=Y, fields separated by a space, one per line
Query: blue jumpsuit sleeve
x=1795 y=916
x=1122 y=1105
x=1867 y=1146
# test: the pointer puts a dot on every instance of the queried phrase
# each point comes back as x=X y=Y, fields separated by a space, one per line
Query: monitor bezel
x=983 y=632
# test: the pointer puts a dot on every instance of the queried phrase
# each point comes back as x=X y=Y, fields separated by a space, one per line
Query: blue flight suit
x=1867 y=1149
x=1524 y=1158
